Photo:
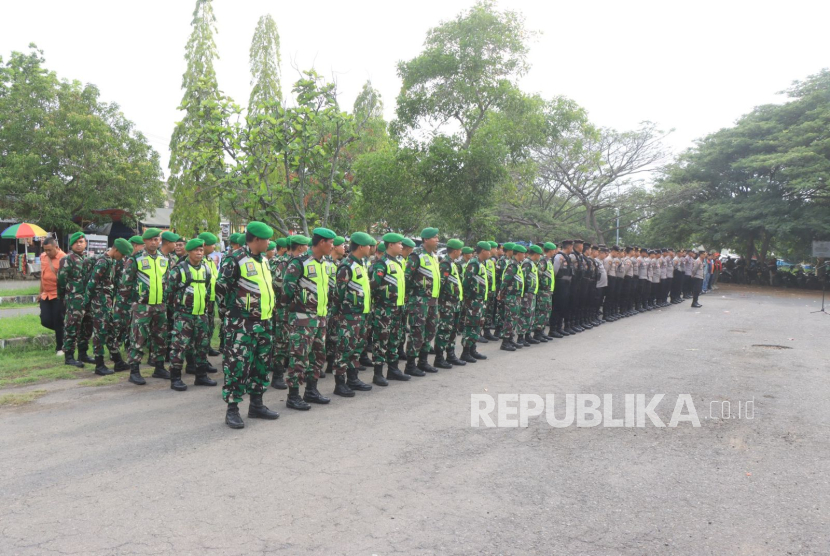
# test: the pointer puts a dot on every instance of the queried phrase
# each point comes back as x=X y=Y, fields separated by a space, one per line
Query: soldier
x=179 y=249
x=72 y=280
x=563 y=277
x=170 y=248
x=489 y=321
x=698 y=271
x=297 y=247
x=143 y=288
x=235 y=242
x=466 y=254
x=388 y=285
x=99 y=297
x=210 y=309
x=121 y=310
x=352 y=297
x=423 y=285
x=528 y=302
x=403 y=332
x=330 y=266
x=190 y=284
x=245 y=290
x=449 y=307
x=510 y=295
x=544 y=300
x=305 y=290
x=476 y=292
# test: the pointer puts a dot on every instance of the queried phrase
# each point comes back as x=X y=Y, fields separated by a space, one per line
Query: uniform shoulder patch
x=145 y=264
x=250 y=268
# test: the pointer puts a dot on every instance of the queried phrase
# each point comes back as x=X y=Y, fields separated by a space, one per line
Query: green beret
x=428 y=233
x=408 y=242
x=324 y=233
x=299 y=240
x=549 y=246
x=208 y=238
x=151 y=233
x=467 y=250
x=260 y=230
x=392 y=237
x=123 y=246
x=235 y=239
x=137 y=240
x=536 y=249
x=194 y=243
x=272 y=245
x=75 y=237
x=483 y=245
x=362 y=238
x=519 y=248
x=455 y=244
x=339 y=240
x=382 y=247
x=493 y=245
x=282 y=242
x=170 y=236
x=509 y=246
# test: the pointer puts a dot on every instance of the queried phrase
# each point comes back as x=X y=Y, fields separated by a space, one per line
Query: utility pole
x=618 y=214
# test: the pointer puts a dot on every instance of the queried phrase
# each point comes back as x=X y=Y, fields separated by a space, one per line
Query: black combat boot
x=312 y=395
x=553 y=333
x=466 y=356
x=83 y=356
x=393 y=372
x=190 y=367
x=506 y=345
x=160 y=371
x=378 y=378
x=518 y=344
x=213 y=353
x=120 y=364
x=475 y=354
x=202 y=378
x=412 y=369
x=176 y=379
x=232 y=417
x=364 y=360
x=329 y=365
x=497 y=334
x=100 y=368
x=539 y=337
x=423 y=363
x=523 y=341
x=440 y=362
x=489 y=335
x=277 y=380
x=482 y=339
x=135 y=375
x=340 y=387
x=453 y=358
x=531 y=340
x=401 y=353
x=431 y=350
x=295 y=401
x=257 y=410
x=68 y=359
x=353 y=382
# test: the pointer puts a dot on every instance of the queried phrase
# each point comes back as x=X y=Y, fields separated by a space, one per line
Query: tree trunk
x=600 y=237
x=762 y=256
x=750 y=247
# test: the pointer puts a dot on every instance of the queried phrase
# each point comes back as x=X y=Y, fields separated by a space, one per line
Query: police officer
x=563 y=276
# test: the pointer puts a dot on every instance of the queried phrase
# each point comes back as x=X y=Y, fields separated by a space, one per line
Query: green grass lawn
x=30 y=290
x=15 y=306
x=21 y=398
x=35 y=365
x=21 y=326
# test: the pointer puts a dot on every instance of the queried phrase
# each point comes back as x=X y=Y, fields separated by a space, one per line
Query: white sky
x=693 y=66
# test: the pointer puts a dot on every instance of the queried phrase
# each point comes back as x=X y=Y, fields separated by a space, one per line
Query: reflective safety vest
x=214 y=274
x=535 y=270
x=395 y=276
x=520 y=275
x=481 y=280
x=491 y=274
x=359 y=287
x=429 y=267
x=315 y=281
x=331 y=273
x=196 y=294
x=455 y=280
x=151 y=270
x=255 y=278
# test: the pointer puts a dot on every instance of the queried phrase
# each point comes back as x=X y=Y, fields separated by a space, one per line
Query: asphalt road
x=144 y=470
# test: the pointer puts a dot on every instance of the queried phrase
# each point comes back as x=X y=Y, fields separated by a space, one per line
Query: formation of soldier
x=295 y=309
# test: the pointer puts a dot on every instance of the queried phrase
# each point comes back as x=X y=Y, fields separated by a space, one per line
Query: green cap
x=467 y=250
x=536 y=249
x=208 y=238
x=170 y=236
x=282 y=242
x=299 y=240
x=362 y=238
x=549 y=246
x=260 y=230
x=339 y=240
x=151 y=233
x=428 y=233
x=509 y=246
x=272 y=245
x=123 y=246
x=392 y=237
x=235 y=239
x=382 y=247
x=455 y=244
x=408 y=242
x=483 y=245
x=137 y=240
x=324 y=233
x=493 y=245
x=519 y=248
x=194 y=243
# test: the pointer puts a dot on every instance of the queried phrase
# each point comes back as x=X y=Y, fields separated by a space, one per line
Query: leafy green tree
x=265 y=64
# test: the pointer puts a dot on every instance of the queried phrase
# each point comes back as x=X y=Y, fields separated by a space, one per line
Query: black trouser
x=687 y=285
x=561 y=303
x=676 y=285
x=600 y=301
x=575 y=304
x=51 y=317
x=697 y=285
x=666 y=284
x=610 y=297
x=618 y=308
x=625 y=293
x=645 y=288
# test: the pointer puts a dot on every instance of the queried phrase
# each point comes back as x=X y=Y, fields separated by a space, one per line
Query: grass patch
x=30 y=290
x=16 y=306
x=21 y=326
x=22 y=398
x=28 y=366
x=102 y=381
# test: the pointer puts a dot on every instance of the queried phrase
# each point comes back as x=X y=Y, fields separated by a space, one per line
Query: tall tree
x=195 y=209
x=265 y=65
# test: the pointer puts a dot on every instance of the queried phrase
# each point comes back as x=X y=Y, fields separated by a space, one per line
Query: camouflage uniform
x=511 y=292
x=120 y=309
x=210 y=307
x=334 y=322
x=475 y=300
x=248 y=309
x=72 y=282
x=350 y=303
x=501 y=264
x=280 y=319
x=174 y=261
x=223 y=312
x=387 y=309
x=190 y=320
x=307 y=317
x=422 y=305
x=544 y=299
x=490 y=309
x=148 y=316
x=99 y=297
x=528 y=304
x=449 y=305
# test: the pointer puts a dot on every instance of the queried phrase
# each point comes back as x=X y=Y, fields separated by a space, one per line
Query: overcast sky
x=692 y=66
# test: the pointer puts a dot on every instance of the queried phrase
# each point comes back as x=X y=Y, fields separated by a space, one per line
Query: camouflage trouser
x=104 y=332
x=77 y=324
x=169 y=340
x=449 y=319
x=527 y=316
x=210 y=313
x=511 y=309
x=120 y=321
x=306 y=348
x=223 y=335
x=386 y=332
x=489 y=310
x=334 y=322
x=149 y=324
x=423 y=317
x=350 y=341
x=190 y=335
x=473 y=320
x=280 y=348
x=245 y=358
x=544 y=306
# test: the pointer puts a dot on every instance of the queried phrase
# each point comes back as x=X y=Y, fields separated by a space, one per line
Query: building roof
x=159 y=218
